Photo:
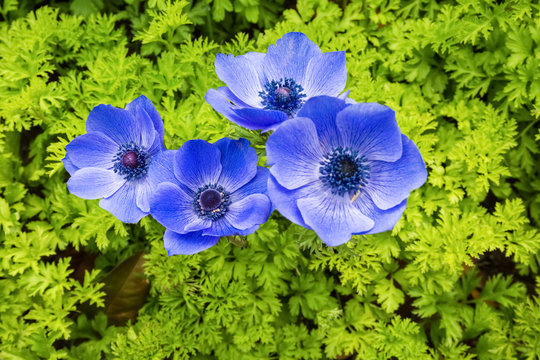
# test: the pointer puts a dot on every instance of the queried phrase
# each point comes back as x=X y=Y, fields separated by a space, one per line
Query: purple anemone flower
x=342 y=169
x=113 y=161
x=264 y=90
x=208 y=191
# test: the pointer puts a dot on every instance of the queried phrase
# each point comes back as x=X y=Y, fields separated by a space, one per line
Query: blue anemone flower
x=264 y=90
x=342 y=169
x=212 y=190
x=113 y=160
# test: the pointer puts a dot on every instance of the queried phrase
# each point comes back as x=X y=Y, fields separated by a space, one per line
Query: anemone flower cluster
x=335 y=166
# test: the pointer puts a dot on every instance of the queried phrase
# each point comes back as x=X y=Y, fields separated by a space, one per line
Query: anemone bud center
x=210 y=199
x=130 y=159
x=284 y=92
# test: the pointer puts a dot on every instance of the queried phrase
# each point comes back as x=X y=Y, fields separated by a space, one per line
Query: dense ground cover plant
x=455 y=279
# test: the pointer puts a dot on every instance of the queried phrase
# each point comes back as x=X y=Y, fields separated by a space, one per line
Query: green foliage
x=455 y=279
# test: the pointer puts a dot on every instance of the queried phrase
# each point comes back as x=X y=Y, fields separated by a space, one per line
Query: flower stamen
x=211 y=202
x=283 y=95
x=343 y=171
x=131 y=161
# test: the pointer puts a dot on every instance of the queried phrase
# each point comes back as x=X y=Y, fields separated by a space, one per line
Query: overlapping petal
x=332 y=217
x=237 y=157
x=290 y=57
x=371 y=129
x=322 y=110
x=197 y=163
x=326 y=74
x=242 y=75
x=144 y=104
x=391 y=182
x=92 y=149
x=118 y=124
x=187 y=244
x=294 y=152
x=172 y=207
x=94 y=183
x=123 y=204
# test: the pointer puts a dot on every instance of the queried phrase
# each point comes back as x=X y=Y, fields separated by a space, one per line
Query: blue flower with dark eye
x=209 y=191
x=113 y=160
x=264 y=90
x=342 y=169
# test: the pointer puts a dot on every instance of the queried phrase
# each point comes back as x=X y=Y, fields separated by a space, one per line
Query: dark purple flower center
x=283 y=95
x=211 y=202
x=131 y=161
x=210 y=199
x=343 y=171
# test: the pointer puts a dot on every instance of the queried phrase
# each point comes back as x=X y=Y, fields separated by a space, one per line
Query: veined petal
x=117 y=124
x=391 y=182
x=323 y=110
x=197 y=163
x=257 y=185
x=146 y=105
x=332 y=217
x=249 y=211
x=326 y=74
x=260 y=119
x=385 y=220
x=242 y=75
x=94 y=183
x=144 y=190
x=123 y=204
x=290 y=57
x=294 y=152
x=284 y=200
x=187 y=244
x=92 y=150
x=238 y=163
x=371 y=129
x=68 y=165
x=161 y=168
x=173 y=208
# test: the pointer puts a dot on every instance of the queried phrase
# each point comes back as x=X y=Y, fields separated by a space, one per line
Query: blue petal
x=294 y=152
x=285 y=200
x=243 y=75
x=326 y=74
x=242 y=215
x=143 y=103
x=257 y=185
x=260 y=119
x=249 y=211
x=68 y=165
x=123 y=204
x=384 y=219
x=371 y=129
x=290 y=57
x=323 y=110
x=391 y=182
x=197 y=163
x=332 y=217
x=94 y=183
x=92 y=150
x=161 y=168
x=121 y=126
x=187 y=244
x=220 y=100
x=238 y=162
x=144 y=192
x=173 y=208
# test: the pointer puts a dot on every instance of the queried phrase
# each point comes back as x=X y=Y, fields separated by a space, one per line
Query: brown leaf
x=126 y=289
